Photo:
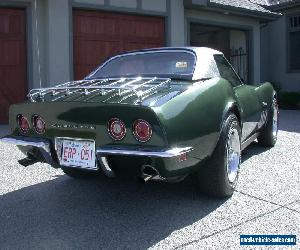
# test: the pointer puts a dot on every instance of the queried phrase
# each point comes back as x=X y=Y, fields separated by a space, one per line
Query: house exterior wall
x=243 y=23
x=37 y=42
x=50 y=37
x=275 y=54
x=59 y=41
x=50 y=40
x=177 y=30
x=154 y=5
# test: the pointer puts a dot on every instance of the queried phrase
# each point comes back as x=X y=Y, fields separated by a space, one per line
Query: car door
x=250 y=107
x=246 y=97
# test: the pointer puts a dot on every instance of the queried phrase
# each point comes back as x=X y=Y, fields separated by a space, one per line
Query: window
x=295 y=22
x=226 y=71
x=294 y=43
x=177 y=64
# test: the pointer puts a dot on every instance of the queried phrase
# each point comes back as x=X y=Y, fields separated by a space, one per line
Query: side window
x=226 y=71
x=293 y=43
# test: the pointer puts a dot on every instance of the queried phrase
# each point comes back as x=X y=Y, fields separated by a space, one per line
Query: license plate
x=78 y=153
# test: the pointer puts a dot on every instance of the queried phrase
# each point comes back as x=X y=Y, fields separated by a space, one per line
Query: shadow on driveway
x=106 y=213
x=100 y=213
x=289 y=120
x=253 y=149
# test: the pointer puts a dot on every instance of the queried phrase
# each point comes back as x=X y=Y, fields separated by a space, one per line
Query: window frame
x=141 y=52
x=290 y=30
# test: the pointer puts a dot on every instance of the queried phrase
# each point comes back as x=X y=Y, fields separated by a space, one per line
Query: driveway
x=41 y=208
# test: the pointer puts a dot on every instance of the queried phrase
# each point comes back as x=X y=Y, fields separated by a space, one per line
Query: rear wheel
x=268 y=136
x=219 y=177
x=78 y=173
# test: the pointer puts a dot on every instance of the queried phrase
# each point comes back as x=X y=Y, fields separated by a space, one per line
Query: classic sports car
x=159 y=114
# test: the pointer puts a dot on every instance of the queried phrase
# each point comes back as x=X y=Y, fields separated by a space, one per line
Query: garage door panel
x=143 y=29
x=95 y=24
x=136 y=45
x=83 y=70
x=99 y=35
x=10 y=21
x=93 y=51
x=9 y=76
x=4 y=23
x=3 y=103
x=13 y=59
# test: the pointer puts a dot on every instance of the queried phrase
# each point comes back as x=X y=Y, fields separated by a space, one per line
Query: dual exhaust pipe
x=150 y=173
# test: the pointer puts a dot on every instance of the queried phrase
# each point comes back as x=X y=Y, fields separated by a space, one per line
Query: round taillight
x=38 y=124
x=142 y=130
x=116 y=129
x=23 y=124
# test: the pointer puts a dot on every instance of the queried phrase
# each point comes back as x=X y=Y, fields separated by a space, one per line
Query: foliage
x=289 y=99
x=276 y=86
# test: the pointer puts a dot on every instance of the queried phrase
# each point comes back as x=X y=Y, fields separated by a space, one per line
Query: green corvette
x=158 y=114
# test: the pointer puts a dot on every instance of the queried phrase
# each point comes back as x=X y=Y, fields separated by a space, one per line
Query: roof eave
x=284 y=6
x=225 y=9
x=245 y=12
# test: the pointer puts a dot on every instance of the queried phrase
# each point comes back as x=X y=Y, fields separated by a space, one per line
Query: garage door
x=12 y=59
x=99 y=35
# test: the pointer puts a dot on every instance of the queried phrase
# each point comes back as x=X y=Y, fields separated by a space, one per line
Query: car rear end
x=117 y=138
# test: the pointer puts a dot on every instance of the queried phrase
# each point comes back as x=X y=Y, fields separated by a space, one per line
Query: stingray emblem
x=73 y=126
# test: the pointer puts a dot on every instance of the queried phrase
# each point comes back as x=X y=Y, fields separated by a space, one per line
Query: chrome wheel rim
x=233 y=154
x=275 y=119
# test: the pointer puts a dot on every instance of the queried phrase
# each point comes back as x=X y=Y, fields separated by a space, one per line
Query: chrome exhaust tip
x=148 y=173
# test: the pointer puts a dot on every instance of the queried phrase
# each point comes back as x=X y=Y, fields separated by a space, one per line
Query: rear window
x=171 y=64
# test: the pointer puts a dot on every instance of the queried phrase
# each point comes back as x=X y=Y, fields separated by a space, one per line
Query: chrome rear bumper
x=162 y=153
x=23 y=141
x=44 y=145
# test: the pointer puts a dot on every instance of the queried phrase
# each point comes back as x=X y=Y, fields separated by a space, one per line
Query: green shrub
x=276 y=86
x=289 y=99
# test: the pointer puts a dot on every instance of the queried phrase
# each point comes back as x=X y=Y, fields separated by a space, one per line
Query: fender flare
x=233 y=107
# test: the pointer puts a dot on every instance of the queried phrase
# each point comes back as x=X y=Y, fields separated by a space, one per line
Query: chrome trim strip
x=164 y=153
x=248 y=141
x=19 y=142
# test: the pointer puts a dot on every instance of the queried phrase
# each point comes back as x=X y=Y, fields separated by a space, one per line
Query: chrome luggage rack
x=92 y=88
